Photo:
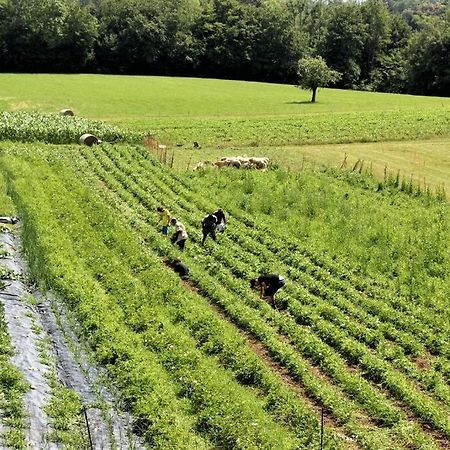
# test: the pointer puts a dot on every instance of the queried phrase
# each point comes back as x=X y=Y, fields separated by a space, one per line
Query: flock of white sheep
x=239 y=162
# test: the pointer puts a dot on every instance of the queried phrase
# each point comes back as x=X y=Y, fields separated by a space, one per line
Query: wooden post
x=356 y=165
x=344 y=162
x=189 y=162
x=171 y=160
x=361 y=166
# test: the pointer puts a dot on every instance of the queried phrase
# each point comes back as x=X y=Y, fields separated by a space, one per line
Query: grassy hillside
x=121 y=98
x=232 y=117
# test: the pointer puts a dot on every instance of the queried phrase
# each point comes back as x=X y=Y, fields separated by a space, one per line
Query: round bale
x=66 y=112
x=89 y=139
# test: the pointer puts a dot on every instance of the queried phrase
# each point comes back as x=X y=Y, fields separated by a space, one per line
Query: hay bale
x=66 y=112
x=89 y=139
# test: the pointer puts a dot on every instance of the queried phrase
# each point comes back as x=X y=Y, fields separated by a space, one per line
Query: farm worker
x=209 y=224
x=221 y=220
x=180 y=268
x=180 y=235
x=165 y=219
x=268 y=285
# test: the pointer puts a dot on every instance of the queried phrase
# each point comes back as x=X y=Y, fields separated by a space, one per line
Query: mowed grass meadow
x=389 y=132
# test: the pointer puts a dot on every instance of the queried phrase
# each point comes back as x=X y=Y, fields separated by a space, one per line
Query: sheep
x=238 y=162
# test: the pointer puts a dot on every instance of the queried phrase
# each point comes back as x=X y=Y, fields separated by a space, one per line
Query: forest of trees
x=381 y=45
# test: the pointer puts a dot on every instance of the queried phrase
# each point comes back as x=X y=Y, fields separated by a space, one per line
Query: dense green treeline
x=393 y=46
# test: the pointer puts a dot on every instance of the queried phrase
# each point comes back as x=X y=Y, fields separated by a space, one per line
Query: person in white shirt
x=180 y=235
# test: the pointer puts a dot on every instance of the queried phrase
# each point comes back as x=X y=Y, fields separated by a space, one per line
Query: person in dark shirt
x=209 y=224
x=180 y=268
x=268 y=285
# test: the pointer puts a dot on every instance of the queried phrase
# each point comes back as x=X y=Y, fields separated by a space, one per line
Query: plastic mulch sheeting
x=22 y=317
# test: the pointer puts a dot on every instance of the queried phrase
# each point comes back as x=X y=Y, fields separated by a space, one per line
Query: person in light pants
x=180 y=235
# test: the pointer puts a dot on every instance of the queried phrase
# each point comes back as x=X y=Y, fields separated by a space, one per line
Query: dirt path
x=30 y=317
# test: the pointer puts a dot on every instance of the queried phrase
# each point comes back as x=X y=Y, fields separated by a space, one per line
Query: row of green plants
x=384 y=234
x=57 y=129
x=372 y=126
x=337 y=276
x=148 y=390
x=377 y=369
x=219 y=403
x=147 y=200
x=325 y=286
x=431 y=379
x=12 y=389
x=331 y=396
x=244 y=315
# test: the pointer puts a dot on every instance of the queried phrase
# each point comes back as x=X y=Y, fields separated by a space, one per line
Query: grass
x=121 y=98
x=235 y=117
x=426 y=161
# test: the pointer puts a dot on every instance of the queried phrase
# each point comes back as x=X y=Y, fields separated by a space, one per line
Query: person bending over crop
x=268 y=286
x=164 y=219
x=180 y=268
x=180 y=235
x=209 y=224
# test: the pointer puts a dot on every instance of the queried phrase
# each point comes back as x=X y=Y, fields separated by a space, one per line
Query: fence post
x=89 y=430
x=321 y=430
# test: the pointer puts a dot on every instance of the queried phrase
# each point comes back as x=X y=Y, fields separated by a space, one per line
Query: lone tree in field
x=314 y=73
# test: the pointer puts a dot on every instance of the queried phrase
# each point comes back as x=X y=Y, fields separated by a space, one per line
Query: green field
x=361 y=331
x=126 y=98
x=234 y=117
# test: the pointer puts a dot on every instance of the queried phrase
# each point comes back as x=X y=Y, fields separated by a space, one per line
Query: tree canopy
x=313 y=73
x=386 y=45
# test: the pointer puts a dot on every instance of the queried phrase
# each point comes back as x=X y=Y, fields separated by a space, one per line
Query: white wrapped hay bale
x=89 y=139
x=66 y=112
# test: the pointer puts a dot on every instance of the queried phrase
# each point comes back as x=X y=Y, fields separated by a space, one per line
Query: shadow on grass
x=304 y=102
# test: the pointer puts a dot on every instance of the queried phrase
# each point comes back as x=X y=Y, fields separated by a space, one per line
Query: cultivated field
x=233 y=117
x=361 y=332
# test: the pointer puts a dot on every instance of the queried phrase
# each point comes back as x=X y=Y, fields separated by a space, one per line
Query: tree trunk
x=314 y=90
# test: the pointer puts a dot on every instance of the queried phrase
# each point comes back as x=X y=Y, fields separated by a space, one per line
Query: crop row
x=343 y=409
x=373 y=366
x=224 y=184
x=12 y=390
x=216 y=270
x=315 y=289
x=391 y=312
x=166 y=339
x=333 y=282
x=372 y=126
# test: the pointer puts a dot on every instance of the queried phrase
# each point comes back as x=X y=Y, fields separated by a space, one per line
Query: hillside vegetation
x=388 y=46
x=235 y=117
x=361 y=329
